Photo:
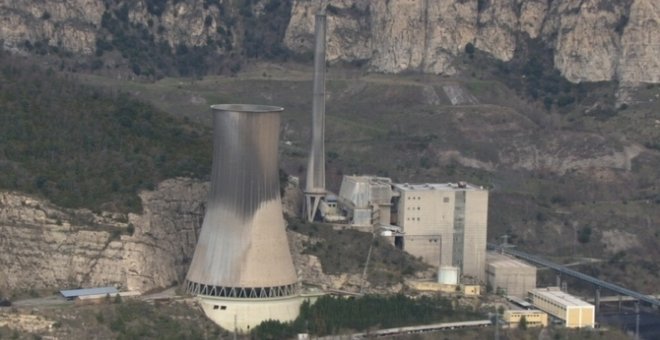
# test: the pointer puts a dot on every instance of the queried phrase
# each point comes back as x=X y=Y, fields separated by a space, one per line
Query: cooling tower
x=242 y=271
x=315 y=184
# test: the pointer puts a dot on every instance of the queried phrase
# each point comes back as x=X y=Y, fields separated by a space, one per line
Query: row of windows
x=444 y=199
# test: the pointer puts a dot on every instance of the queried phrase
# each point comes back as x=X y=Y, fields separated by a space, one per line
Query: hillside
x=571 y=165
x=565 y=180
x=83 y=147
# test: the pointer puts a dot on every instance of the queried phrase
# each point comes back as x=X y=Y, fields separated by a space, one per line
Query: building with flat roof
x=71 y=294
x=444 y=224
x=574 y=312
x=533 y=318
x=509 y=276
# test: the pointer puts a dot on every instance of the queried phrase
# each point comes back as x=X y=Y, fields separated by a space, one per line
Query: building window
x=215 y=307
x=446 y=199
x=223 y=307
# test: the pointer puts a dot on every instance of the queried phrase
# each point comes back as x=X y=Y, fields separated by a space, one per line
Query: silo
x=242 y=271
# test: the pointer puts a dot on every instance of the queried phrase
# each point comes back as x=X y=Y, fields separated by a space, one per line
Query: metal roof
x=72 y=293
x=559 y=297
x=438 y=186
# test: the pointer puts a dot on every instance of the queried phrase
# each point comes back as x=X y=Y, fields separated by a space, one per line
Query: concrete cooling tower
x=242 y=271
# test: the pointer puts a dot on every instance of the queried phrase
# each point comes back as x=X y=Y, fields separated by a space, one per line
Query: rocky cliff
x=44 y=246
x=592 y=40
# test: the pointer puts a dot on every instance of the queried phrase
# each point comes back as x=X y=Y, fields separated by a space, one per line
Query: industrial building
x=508 y=276
x=96 y=292
x=444 y=224
x=366 y=201
x=574 y=312
x=242 y=272
x=533 y=318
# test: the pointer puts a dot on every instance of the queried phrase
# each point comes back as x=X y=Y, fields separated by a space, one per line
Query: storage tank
x=448 y=275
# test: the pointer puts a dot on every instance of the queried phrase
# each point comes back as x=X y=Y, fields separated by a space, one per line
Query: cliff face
x=75 y=25
x=592 y=40
x=46 y=246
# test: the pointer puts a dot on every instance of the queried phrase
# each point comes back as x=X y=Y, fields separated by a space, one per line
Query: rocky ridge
x=592 y=40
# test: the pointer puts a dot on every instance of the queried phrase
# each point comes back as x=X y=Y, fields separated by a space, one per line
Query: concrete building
x=533 y=318
x=444 y=224
x=509 y=276
x=242 y=272
x=366 y=200
x=574 y=312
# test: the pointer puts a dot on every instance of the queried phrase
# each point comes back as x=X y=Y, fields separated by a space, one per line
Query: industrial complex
x=242 y=271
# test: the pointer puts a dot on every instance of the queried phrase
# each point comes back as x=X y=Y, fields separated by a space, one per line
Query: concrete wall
x=244 y=314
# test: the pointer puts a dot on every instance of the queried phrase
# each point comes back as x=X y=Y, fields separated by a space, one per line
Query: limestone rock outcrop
x=593 y=40
x=44 y=246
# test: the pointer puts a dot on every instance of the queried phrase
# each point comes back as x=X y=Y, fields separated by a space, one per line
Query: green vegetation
x=584 y=234
x=345 y=251
x=80 y=147
x=333 y=315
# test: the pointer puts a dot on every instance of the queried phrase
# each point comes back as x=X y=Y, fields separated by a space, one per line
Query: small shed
x=72 y=294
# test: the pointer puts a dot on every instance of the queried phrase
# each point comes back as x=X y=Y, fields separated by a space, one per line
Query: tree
x=523 y=323
x=469 y=49
x=584 y=234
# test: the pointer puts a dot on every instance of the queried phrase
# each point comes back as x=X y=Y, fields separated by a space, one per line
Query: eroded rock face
x=593 y=40
x=44 y=246
x=75 y=25
x=71 y=24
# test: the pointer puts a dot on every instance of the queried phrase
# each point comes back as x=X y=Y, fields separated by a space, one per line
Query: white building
x=444 y=224
x=366 y=200
x=509 y=276
x=576 y=313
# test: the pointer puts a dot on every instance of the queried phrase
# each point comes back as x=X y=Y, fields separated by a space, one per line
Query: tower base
x=242 y=315
x=311 y=205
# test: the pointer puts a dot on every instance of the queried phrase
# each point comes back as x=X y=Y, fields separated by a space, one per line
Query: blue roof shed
x=74 y=293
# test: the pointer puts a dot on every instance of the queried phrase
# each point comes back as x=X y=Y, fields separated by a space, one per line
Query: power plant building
x=242 y=272
x=533 y=318
x=576 y=313
x=366 y=200
x=444 y=224
x=509 y=276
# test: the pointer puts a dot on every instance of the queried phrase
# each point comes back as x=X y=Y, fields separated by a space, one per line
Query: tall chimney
x=315 y=184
